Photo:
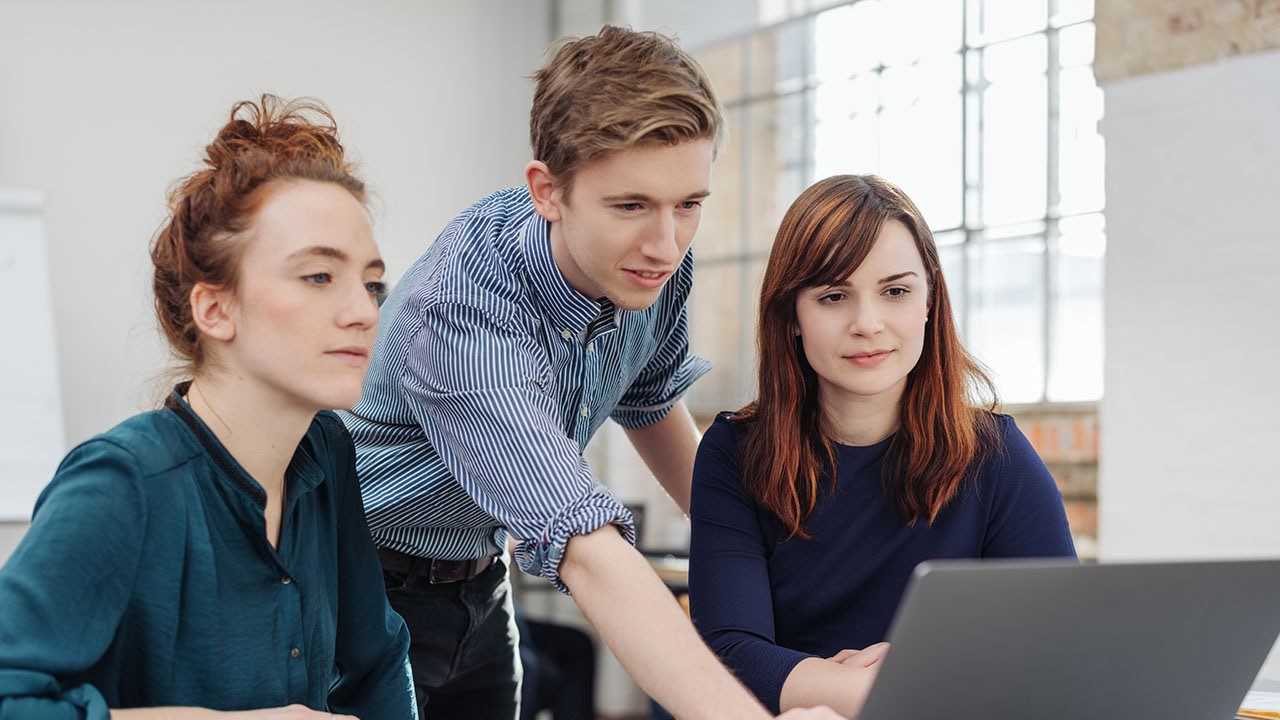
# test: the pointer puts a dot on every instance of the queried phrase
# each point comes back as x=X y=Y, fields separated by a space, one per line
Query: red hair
x=944 y=425
x=263 y=143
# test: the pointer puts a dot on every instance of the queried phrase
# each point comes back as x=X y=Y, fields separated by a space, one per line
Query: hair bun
x=264 y=141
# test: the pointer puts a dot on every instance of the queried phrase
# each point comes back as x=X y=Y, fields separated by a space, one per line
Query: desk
x=1263 y=685
x=672 y=569
x=1262 y=700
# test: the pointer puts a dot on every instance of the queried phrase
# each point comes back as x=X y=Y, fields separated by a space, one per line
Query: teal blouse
x=146 y=579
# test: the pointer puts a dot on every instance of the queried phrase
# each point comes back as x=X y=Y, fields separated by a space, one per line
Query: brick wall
x=1136 y=37
x=1066 y=438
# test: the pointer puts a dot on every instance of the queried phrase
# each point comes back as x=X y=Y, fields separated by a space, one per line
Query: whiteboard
x=31 y=434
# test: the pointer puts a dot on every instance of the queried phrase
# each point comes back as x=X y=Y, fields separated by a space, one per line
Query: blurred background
x=1101 y=177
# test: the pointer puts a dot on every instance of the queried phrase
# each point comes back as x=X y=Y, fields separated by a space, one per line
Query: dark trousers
x=463 y=644
x=559 y=671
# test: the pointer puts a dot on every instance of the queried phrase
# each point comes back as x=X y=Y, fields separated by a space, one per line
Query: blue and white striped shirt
x=489 y=376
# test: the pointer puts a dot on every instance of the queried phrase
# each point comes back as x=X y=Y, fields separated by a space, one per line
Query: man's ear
x=210 y=309
x=542 y=187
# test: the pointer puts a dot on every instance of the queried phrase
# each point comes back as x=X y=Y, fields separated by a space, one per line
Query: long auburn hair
x=945 y=422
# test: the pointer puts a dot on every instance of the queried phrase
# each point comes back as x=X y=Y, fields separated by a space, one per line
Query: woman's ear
x=210 y=309
x=543 y=190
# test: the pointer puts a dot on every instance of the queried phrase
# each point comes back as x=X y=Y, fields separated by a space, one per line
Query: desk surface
x=673 y=570
x=1265 y=685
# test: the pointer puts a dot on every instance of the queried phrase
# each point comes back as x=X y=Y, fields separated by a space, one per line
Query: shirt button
x=566 y=334
x=294 y=653
x=591 y=346
x=584 y=411
x=286 y=580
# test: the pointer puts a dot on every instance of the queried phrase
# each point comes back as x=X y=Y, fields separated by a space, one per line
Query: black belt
x=434 y=571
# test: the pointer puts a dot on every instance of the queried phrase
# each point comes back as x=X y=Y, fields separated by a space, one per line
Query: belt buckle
x=443 y=572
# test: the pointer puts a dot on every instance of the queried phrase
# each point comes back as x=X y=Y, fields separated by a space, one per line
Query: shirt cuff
x=542 y=556
x=642 y=414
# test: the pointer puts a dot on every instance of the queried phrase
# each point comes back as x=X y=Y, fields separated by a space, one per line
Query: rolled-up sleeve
x=67 y=585
x=671 y=372
x=729 y=592
x=482 y=394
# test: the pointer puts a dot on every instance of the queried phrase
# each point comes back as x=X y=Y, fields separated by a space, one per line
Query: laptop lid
x=1053 y=639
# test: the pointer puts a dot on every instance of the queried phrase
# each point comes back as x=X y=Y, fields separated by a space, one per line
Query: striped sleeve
x=671 y=371
x=480 y=389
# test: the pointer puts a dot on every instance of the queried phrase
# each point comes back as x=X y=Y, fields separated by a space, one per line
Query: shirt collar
x=303 y=473
x=570 y=311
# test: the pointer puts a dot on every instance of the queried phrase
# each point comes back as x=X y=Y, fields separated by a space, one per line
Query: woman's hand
x=289 y=712
x=865 y=658
x=821 y=712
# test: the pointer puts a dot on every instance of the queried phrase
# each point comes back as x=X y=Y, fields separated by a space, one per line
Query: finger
x=821 y=712
x=868 y=657
x=874 y=653
x=843 y=655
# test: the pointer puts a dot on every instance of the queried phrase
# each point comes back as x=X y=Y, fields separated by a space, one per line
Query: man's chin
x=635 y=301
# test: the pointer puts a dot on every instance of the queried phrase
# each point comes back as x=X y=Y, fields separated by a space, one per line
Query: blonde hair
x=616 y=90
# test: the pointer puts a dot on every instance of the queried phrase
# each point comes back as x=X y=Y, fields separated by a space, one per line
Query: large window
x=985 y=112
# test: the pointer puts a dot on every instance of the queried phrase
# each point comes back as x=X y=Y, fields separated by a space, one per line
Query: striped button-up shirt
x=489 y=376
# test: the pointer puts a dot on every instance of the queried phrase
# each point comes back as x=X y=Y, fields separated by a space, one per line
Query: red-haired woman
x=866 y=452
x=211 y=558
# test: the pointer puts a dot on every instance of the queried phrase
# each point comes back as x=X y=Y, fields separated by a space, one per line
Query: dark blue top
x=146 y=579
x=764 y=603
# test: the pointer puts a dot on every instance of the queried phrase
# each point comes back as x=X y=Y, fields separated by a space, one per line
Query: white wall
x=103 y=104
x=1191 y=418
x=693 y=24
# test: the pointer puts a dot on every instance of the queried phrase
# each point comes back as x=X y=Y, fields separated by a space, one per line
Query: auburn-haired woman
x=867 y=451
x=211 y=558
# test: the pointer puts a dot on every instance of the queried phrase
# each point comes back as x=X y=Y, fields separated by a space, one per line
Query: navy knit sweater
x=764 y=603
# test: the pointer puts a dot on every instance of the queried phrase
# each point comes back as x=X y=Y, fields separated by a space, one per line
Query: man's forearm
x=668 y=448
x=636 y=616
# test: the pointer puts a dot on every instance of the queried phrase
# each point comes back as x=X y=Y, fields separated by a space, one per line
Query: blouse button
x=294 y=653
x=286 y=580
x=566 y=334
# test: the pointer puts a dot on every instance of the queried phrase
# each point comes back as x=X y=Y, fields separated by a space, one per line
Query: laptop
x=1058 y=640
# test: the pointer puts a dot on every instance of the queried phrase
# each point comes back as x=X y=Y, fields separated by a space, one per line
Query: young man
x=538 y=313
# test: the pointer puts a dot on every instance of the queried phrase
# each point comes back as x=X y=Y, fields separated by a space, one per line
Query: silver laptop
x=1050 y=640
